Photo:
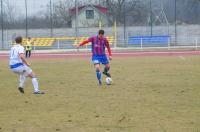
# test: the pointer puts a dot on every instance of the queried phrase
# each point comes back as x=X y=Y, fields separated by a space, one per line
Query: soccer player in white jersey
x=19 y=65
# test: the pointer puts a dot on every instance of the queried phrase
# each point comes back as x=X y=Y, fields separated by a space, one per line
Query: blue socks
x=98 y=73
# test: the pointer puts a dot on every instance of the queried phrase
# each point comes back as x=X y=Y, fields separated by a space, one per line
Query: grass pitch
x=149 y=94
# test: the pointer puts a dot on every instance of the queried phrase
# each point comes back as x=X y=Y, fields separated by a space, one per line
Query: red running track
x=115 y=54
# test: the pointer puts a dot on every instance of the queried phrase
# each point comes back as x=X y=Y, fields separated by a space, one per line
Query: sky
x=33 y=5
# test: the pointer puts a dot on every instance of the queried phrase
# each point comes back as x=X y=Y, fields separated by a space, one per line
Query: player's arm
x=22 y=57
x=84 y=42
x=109 y=50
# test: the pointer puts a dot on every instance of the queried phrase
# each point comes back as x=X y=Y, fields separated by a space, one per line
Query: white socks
x=35 y=84
x=22 y=80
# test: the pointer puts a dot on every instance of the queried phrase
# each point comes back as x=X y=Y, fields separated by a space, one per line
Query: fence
x=140 y=44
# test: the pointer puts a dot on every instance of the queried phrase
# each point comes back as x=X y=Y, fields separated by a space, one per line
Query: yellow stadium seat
x=50 y=41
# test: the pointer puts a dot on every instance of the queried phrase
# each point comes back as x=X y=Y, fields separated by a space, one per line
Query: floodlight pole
x=2 y=25
x=51 y=18
x=151 y=21
x=76 y=19
x=175 y=13
x=26 y=18
x=125 y=23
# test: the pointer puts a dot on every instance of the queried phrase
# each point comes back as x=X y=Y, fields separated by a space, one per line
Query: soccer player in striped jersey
x=99 y=43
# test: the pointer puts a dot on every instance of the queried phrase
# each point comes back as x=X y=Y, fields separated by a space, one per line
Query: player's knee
x=108 y=66
x=32 y=75
x=97 y=69
x=97 y=66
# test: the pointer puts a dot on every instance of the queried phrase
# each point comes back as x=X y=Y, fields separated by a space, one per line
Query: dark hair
x=101 y=32
x=18 y=39
x=29 y=37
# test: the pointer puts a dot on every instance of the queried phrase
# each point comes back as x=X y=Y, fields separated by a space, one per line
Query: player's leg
x=98 y=73
x=96 y=62
x=26 y=53
x=34 y=82
x=22 y=79
x=29 y=53
x=107 y=66
x=106 y=70
x=33 y=77
x=20 y=71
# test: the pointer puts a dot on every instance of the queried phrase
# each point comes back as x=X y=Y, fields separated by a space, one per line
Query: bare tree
x=61 y=14
x=116 y=9
x=9 y=14
x=119 y=8
x=187 y=11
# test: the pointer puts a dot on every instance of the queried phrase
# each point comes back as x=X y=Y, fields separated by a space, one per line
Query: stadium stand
x=40 y=41
x=110 y=39
x=81 y=39
x=65 y=42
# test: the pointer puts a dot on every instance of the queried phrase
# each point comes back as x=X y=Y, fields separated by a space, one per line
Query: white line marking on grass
x=181 y=57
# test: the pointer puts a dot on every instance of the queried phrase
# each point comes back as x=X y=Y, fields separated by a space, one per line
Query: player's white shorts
x=22 y=70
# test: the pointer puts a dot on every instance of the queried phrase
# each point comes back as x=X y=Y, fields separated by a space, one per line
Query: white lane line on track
x=122 y=53
x=114 y=53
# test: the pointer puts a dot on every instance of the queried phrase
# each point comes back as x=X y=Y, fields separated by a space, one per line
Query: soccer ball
x=108 y=81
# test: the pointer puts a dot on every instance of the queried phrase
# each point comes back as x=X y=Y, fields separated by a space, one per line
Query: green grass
x=149 y=94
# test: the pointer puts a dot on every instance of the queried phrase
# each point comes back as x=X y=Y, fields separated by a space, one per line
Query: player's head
x=101 y=33
x=29 y=38
x=18 y=40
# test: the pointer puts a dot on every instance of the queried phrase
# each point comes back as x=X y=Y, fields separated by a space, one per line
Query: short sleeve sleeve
x=21 y=50
x=90 y=39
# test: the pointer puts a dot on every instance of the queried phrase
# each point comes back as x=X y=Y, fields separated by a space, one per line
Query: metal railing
x=193 y=43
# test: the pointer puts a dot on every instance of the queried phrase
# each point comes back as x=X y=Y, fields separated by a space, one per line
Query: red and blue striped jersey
x=98 y=45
